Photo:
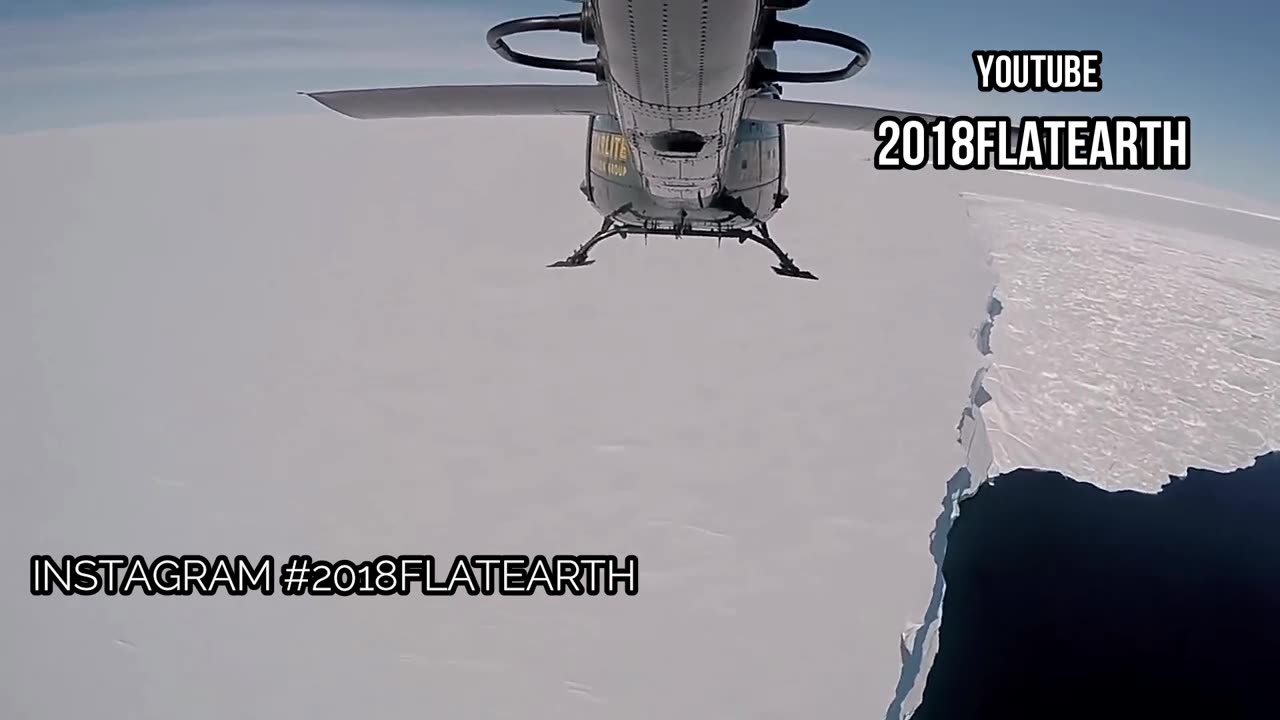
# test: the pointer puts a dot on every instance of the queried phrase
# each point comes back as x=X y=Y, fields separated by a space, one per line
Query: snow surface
x=339 y=338
x=1128 y=350
x=323 y=336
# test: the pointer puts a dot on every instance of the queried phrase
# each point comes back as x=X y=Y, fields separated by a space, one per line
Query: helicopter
x=685 y=117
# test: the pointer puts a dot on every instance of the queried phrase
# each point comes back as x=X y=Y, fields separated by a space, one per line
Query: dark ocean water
x=1067 y=601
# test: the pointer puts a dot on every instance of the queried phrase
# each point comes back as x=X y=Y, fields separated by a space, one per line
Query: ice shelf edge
x=919 y=640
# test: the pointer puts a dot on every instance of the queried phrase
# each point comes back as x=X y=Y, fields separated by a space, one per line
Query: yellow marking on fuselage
x=609 y=153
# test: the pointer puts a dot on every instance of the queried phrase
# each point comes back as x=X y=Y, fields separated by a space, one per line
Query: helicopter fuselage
x=677 y=149
x=685 y=135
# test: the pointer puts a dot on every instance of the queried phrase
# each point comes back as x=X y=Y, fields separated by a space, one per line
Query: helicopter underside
x=751 y=188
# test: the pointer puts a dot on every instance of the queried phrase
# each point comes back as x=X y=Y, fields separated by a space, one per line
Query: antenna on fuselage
x=774 y=31
x=578 y=23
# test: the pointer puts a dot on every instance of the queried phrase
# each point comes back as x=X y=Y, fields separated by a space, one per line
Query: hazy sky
x=75 y=62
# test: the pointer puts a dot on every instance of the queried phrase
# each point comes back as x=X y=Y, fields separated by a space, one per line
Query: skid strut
x=610 y=228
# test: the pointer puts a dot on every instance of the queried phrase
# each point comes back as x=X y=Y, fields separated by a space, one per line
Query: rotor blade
x=467 y=100
x=825 y=115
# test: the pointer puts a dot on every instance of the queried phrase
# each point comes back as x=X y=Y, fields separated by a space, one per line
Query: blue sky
x=76 y=62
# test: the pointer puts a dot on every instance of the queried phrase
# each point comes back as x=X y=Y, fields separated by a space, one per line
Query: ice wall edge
x=919 y=640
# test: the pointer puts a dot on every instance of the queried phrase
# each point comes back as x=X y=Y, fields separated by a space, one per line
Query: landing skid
x=786 y=267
